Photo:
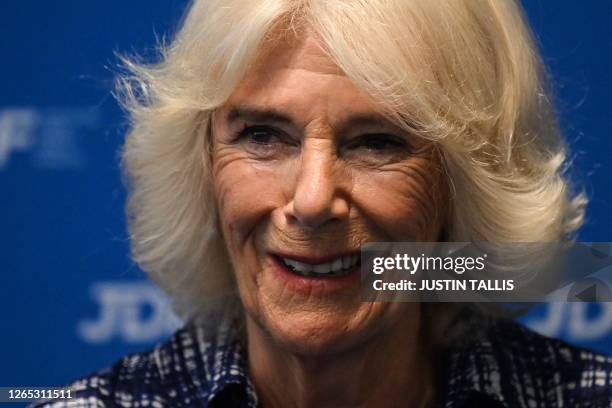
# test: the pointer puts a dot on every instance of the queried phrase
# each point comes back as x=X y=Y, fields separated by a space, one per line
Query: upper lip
x=315 y=259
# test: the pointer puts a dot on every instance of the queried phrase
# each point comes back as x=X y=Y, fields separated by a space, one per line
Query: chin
x=316 y=333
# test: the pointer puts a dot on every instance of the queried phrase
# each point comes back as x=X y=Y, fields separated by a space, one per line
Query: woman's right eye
x=258 y=134
x=265 y=141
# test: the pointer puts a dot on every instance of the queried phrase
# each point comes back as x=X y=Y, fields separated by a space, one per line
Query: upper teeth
x=336 y=265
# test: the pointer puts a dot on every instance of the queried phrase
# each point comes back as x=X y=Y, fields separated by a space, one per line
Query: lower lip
x=315 y=285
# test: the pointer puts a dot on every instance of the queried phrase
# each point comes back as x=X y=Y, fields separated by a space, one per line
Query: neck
x=390 y=368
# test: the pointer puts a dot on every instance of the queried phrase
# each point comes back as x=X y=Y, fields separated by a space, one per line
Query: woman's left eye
x=376 y=149
x=378 y=142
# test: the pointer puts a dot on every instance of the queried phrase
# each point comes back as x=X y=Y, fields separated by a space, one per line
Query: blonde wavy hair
x=464 y=74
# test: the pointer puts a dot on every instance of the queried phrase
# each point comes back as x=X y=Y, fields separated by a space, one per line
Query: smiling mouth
x=337 y=267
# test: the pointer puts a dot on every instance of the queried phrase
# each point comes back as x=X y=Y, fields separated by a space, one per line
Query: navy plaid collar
x=210 y=370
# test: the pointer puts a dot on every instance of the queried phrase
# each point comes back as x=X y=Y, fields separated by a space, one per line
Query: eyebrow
x=254 y=114
x=272 y=115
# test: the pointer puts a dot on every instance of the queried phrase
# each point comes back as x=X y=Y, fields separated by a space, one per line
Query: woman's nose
x=319 y=197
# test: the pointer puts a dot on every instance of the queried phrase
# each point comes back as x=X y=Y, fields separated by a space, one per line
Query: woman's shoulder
x=582 y=368
x=519 y=367
x=127 y=381
x=178 y=372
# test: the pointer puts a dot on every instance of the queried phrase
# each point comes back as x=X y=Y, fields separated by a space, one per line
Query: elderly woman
x=273 y=139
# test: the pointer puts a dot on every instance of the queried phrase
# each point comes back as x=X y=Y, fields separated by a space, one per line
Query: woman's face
x=306 y=170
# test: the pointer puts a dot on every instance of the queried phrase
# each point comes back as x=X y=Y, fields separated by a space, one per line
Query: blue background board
x=71 y=299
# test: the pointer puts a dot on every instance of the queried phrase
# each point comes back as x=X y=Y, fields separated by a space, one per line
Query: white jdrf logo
x=122 y=311
x=573 y=319
x=49 y=136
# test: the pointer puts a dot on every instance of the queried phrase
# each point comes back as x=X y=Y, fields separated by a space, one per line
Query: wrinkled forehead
x=284 y=52
x=296 y=76
x=300 y=50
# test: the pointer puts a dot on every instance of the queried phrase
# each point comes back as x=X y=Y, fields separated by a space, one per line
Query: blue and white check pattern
x=510 y=366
